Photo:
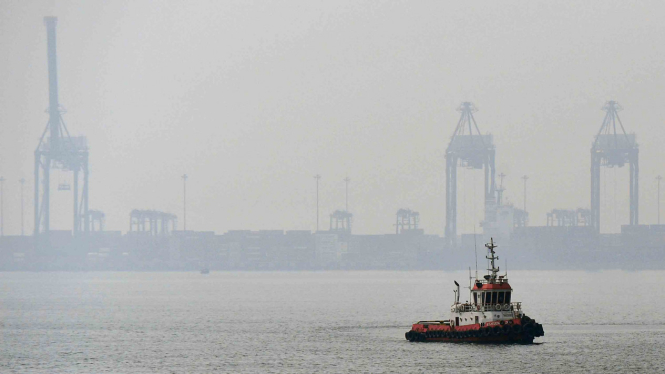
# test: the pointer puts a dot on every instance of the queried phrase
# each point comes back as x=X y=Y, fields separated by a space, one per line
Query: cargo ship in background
x=489 y=317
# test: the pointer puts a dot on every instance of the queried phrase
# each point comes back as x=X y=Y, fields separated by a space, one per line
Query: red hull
x=521 y=339
x=512 y=331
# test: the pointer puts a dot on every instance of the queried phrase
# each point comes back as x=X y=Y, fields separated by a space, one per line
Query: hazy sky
x=253 y=98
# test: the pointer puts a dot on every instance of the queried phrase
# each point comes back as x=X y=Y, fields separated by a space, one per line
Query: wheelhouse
x=484 y=294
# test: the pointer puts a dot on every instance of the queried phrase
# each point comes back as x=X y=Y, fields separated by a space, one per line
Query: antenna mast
x=475 y=249
x=470 y=283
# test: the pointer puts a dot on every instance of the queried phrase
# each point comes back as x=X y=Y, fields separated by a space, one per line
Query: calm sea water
x=310 y=322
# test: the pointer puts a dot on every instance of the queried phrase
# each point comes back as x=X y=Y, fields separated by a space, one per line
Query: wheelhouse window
x=500 y=298
x=494 y=297
x=508 y=297
x=475 y=297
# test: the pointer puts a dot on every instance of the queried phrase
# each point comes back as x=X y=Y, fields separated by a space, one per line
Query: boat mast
x=492 y=257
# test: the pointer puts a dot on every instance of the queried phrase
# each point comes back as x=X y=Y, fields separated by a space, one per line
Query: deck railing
x=517 y=306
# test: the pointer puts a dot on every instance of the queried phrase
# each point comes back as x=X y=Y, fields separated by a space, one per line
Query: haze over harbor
x=224 y=92
x=251 y=102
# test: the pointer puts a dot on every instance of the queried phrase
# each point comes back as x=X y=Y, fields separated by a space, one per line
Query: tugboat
x=492 y=317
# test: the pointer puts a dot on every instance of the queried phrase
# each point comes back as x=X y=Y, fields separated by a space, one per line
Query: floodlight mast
x=318 y=178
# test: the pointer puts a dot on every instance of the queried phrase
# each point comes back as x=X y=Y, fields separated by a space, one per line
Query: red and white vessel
x=490 y=317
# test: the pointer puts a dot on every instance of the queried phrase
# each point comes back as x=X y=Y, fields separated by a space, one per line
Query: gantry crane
x=611 y=148
x=58 y=150
x=472 y=150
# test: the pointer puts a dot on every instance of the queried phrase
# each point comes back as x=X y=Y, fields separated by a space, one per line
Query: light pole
x=2 y=206
x=22 y=181
x=184 y=201
x=347 y=180
x=525 y=178
x=317 y=177
x=658 y=178
x=500 y=189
